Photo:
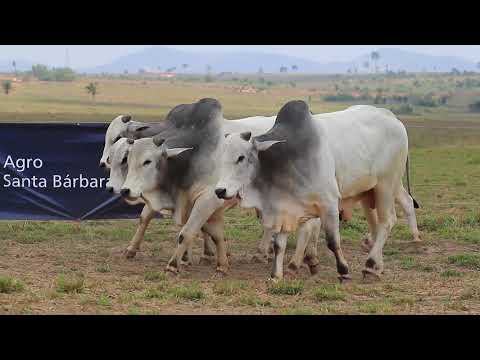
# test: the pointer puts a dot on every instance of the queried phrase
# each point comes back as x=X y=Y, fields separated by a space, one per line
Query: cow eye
x=116 y=139
x=108 y=160
x=146 y=162
x=124 y=160
x=240 y=158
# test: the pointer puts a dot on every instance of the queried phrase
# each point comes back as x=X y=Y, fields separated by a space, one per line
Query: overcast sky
x=93 y=55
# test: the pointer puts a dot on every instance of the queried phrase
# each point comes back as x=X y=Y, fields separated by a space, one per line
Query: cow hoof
x=345 y=277
x=172 y=269
x=220 y=272
x=371 y=273
x=185 y=262
x=129 y=254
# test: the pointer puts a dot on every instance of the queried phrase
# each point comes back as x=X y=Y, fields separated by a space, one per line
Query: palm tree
x=7 y=86
x=366 y=65
x=375 y=56
x=14 y=64
x=92 y=90
x=478 y=65
x=283 y=69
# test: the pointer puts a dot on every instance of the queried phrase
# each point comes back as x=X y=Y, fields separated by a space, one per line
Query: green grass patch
x=10 y=285
x=104 y=300
x=470 y=261
x=450 y=273
x=329 y=293
x=155 y=276
x=190 y=292
x=229 y=287
x=70 y=283
x=286 y=287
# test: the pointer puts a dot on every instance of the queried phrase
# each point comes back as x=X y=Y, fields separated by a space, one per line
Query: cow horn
x=264 y=145
x=126 y=118
x=158 y=141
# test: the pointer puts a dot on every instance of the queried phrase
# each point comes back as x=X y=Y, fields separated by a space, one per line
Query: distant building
x=157 y=73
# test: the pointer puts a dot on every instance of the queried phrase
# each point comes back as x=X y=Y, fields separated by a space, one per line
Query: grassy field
x=67 y=267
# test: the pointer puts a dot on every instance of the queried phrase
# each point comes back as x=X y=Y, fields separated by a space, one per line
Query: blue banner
x=51 y=172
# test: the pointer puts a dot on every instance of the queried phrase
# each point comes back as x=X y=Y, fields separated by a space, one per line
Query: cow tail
x=415 y=203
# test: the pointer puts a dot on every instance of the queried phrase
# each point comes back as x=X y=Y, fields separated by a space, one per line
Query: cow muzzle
x=125 y=192
x=221 y=193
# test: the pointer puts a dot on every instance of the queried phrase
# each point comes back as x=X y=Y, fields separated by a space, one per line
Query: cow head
x=239 y=163
x=118 y=164
x=147 y=168
x=113 y=134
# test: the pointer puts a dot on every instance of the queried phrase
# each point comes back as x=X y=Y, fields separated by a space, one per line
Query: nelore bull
x=308 y=167
x=180 y=181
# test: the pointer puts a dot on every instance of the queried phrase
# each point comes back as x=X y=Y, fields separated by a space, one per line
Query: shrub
x=339 y=97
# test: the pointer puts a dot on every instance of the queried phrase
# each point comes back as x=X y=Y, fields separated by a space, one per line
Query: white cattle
x=305 y=168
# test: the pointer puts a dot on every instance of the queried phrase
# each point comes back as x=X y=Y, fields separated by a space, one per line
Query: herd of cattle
x=300 y=172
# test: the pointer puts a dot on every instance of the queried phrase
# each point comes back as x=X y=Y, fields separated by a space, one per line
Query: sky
x=81 y=56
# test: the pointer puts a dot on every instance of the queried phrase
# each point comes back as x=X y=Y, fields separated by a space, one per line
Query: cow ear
x=227 y=135
x=126 y=118
x=264 y=145
x=130 y=141
x=170 y=153
x=246 y=135
x=158 y=141
x=141 y=128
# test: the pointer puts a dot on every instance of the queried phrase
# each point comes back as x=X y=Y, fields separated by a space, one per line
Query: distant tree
x=283 y=69
x=14 y=64
x=478 y=65
x=260 y=70
x=7 y=86
x=159 y=68
x=184 y=66
x=209 y=68
x=375 y=56
x=366 y=65
x=92 y=89
x=125 y=72
x=294 y=67
x=172 y=69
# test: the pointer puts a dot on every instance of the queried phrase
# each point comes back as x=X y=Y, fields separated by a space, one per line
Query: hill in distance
x=160 y=58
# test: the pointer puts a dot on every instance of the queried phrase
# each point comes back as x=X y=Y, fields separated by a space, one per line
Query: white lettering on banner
x=67 y=182
x=21 y=164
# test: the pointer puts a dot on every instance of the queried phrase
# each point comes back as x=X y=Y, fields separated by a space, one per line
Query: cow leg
x=406 y=202
x=215 y=229
x=279 y=245
x=311 y=253
x=304 y=234
x=384 y=200
x=263 y=247
x=371 y=215
x=208 y=250
x=330 y=221
x=205 y=206
x=145 y=217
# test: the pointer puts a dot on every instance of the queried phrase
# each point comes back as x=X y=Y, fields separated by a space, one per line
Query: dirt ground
x=418 y=279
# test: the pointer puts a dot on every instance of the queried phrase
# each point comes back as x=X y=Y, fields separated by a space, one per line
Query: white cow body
x=355 y=150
